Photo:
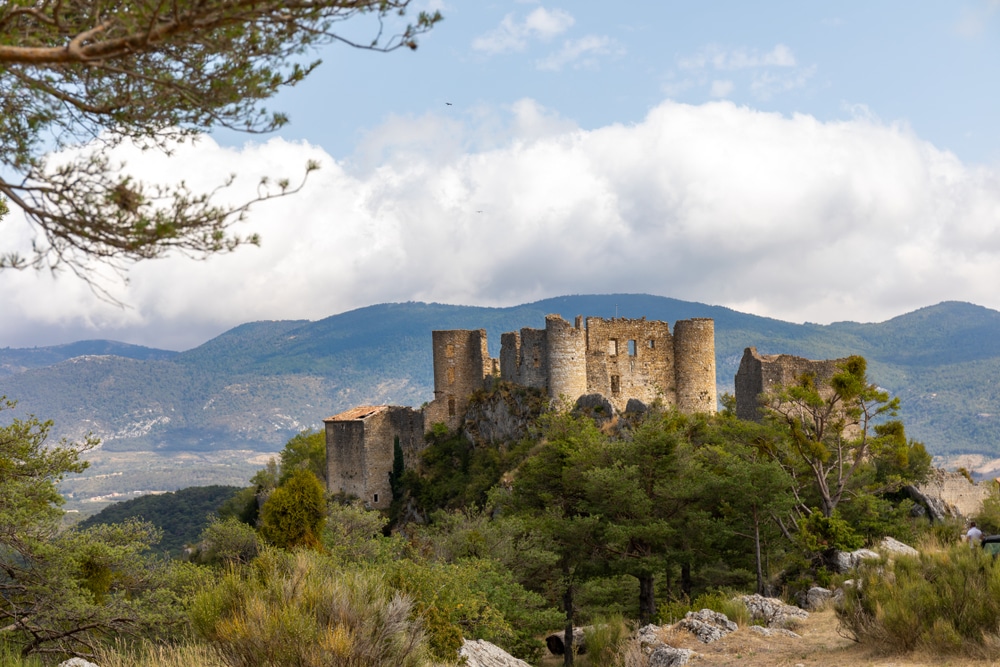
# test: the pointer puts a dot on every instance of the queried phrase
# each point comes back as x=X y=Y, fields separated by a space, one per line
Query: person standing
x=974 y=536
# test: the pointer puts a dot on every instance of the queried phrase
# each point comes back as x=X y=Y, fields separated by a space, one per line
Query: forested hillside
x=257 y=384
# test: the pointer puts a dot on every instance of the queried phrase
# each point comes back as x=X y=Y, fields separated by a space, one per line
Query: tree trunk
x=647 y=599
x=686 y=583
x=568 y=606
x=760 y=564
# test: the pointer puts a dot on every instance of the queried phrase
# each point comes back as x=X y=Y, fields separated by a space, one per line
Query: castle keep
x=619 y=358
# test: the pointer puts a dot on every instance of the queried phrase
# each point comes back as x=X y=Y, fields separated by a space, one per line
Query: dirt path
x=818 y=644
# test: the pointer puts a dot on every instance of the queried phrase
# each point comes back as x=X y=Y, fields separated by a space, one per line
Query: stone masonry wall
x=760 y=373
x=694 y=365
x=567 y=357
x=461 y=363
x=628 y=358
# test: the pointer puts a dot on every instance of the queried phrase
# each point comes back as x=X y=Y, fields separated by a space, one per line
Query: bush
x=946 y=601
x=607 y=641
x=298 y=609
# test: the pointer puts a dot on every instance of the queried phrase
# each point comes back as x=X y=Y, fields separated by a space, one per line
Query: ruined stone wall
x=532 y=366
x=761 y=373
x=629 y=358
x=959 y=496
x=377 y=492
x=567 y=357
x=510 y=356
x=461 y=364
x=694 y=365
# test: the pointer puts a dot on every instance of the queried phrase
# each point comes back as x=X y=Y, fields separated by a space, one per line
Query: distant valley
x=211 y=414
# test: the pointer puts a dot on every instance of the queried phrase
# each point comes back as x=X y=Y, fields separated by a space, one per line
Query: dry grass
x=818 y=646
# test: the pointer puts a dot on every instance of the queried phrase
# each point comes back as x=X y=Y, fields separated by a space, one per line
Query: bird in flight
x=448 y=104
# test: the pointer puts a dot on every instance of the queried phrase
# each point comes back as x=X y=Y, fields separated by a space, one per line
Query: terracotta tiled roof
x=359 y=412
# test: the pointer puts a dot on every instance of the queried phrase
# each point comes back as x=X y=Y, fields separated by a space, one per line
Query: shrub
x=298 y=609
x=946 y=601
x=295 y=512
x=607 y=641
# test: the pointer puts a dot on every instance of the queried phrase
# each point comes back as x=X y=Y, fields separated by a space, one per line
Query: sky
x=809 y=161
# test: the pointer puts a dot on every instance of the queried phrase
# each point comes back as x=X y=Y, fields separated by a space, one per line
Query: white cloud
x=512 y=35
x=579 y=51
x=973 y=21
x=715 y=57
x=788 y=217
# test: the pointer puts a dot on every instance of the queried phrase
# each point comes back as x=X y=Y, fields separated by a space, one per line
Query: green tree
x=294 y=513
x=305 y=451
x=831 y=429
x=76 y=71
x=63 y=591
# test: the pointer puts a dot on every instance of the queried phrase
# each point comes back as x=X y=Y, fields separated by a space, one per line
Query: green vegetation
x=944 y=600
x=564 y=524
x=179 y=516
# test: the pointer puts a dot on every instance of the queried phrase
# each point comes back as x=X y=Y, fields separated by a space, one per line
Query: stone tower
x=461 y=364
x=567 y=357
x=694 y=365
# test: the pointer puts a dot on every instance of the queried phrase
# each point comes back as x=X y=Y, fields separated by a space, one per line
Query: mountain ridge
x=254 y=385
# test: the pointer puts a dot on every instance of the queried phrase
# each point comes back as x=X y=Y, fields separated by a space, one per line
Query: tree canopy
x=89 y=75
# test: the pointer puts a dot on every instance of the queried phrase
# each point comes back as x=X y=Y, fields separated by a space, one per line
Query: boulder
x=557 y=642
x=666 y=656
x=76 y=662
x=707 y=625
x=845 y=561
x=595 y=406
x=814 y=599
x=648 y=637
x=771 y=611
x=481 y=653
x=635 y=407
x=893 y=546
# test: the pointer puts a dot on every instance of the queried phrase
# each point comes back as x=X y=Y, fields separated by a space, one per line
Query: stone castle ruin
x=620 y=359
x=765 y=373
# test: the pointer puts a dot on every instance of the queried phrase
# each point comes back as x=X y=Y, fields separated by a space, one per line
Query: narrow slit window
x=451 y=376
x=631 y=348
x=613 y=347
x=451 y=407
x=616 y=384
x=651 y=344
x=376 y=498
x=449 y=350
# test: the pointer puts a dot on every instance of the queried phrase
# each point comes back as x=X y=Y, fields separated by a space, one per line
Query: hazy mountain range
x=257 y=384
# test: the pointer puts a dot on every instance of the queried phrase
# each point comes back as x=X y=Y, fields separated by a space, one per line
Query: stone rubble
x=666 y=656
x=771 y=632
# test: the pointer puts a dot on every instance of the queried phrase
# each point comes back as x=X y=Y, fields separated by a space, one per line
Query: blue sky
x=812 y=161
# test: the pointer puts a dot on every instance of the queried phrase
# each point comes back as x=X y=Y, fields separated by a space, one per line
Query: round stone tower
x=694 y=365
x=567 y=357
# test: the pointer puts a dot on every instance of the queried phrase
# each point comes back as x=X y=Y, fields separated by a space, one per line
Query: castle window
x=651 y=344
x=631 y=348
x=613 y=347
x=376 y=498
x=451 y=376
x=449 y=350
x=451 y=407
x=537 y=363
x=616 y=384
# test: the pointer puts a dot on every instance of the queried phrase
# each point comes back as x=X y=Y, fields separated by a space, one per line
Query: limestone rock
x=636 y=407
x=76 y=662
x=894 y=546
x=771 y=632
x=845 y=561
x=771 y=611
x=815 y=598
x=481 y=653
x=648 y=637
x=707 y=625
x=666 y=656
x=595 y=406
